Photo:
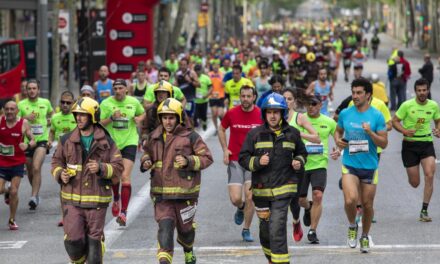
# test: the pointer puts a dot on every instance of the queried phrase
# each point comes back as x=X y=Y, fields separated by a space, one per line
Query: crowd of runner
x=273 y=93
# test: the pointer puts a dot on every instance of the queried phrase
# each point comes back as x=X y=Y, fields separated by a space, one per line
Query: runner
x=375 y=42
x=164 y=75
x=358 y=58
x=240 y=120
x=61 y=123
x=217 y=98
x=316 y=165
x=187 y=80
x=173 y=151
x=233 y=86
x=360 y=130
x=103 y=86
x=202 y=94
x=12 y=157
x=85 y=164
x=120 y=114
x=322 y=88
x=138 y=88
x=274 y=153
x=300 y=122
x=417 y=144
x=87 y=91
x=37 y=111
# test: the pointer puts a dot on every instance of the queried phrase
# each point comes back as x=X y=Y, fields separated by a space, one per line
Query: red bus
x=12 y=67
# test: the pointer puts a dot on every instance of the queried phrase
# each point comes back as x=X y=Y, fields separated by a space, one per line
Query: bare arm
x=309 y=90
x=380 y=138
x=26 y=130
x=398 y=126
x=311 y=134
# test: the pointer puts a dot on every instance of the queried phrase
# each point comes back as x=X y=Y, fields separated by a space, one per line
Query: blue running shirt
x=361 y=152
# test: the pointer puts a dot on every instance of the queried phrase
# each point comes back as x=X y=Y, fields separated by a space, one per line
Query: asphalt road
x=398 y=235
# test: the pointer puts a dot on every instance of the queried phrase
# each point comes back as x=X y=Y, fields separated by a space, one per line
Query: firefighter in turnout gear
x=86 y=163
x=275 y=154
x=176 y=154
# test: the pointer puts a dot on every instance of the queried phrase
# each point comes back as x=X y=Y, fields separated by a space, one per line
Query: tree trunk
x=55 y=91
x=164 y=25
x=178 y=23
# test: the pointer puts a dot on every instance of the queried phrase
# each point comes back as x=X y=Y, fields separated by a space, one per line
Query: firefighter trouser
x=273 y=229
x=84 y=233
x=171 y=214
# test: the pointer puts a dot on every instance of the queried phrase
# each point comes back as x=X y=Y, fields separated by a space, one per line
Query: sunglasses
x=313 y=103
x=66 y=102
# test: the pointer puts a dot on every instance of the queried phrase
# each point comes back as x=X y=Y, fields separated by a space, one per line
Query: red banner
x=129 y=35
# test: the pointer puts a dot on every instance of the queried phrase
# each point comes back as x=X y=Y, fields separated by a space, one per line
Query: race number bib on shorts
x=6 y=150
x=37 y=129
x=314 y=149
x=187 y=213
x=358 y=146
x=120 y=123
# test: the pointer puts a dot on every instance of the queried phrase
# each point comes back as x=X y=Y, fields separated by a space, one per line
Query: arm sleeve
x=58 y=162
x=201 y=158
x=247 y=157
x=139 y=109
x=402 y=111
x=112 y=167
x=149 y=94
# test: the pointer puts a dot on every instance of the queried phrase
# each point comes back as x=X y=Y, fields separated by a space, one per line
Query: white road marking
x=303 y=247
x=12 y=244
x=112 y=230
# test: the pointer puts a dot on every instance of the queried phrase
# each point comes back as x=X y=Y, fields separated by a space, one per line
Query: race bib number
x=120 y=123
x=314 y=149
x=104 y=94
x=347 y=62
x=215 y=94
x=37 y=129
x=187 y=213
x=7 y=150
x=188 y=106
x=358 y=146
x=199 y=94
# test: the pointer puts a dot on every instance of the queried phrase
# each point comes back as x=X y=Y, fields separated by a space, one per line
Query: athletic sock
x=115 y=189
x=125 y=196
x=425 y=206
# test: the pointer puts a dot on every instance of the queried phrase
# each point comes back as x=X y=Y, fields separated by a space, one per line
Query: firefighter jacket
x=86 y=189
x=168 y=180
x=278 y=179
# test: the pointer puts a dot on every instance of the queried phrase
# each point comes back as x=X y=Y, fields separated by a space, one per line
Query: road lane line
x=12 y=244
x=112 y=230
x=304 y=247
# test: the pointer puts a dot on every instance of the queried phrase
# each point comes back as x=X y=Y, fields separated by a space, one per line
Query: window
x=9 y=56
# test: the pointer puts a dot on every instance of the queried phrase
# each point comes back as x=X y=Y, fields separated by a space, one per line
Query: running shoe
x=352 y=236
x=239 y=217
x=33 y=203
x=116 y=208
x=122 y=219
x=190 y=258
x=307 y=218
x=12 y=224
x=365 y=244
x=246 y=235
x=358 y=219
x=424 y=216
x=297 y=231
x=312 y=237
